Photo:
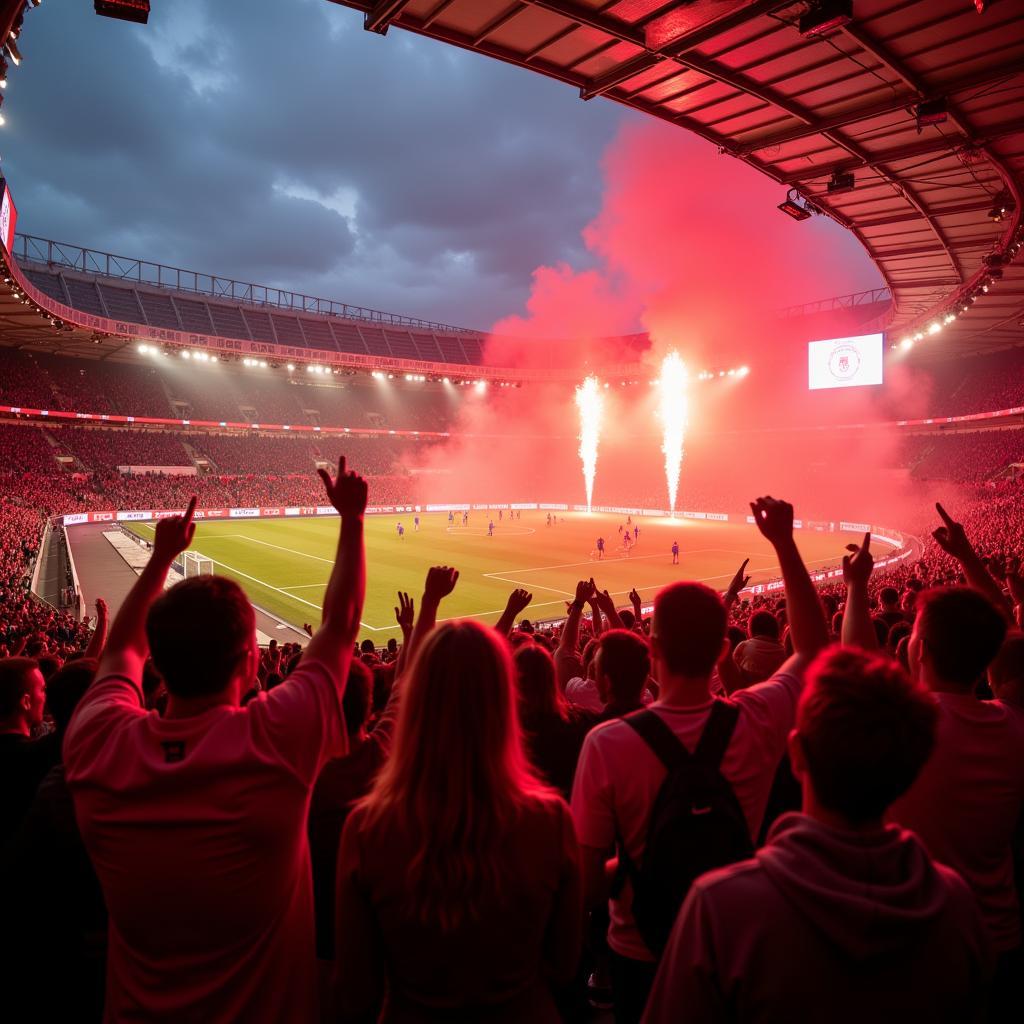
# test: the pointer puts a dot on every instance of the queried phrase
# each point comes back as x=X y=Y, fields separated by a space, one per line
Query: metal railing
x=867 y=298
x=160 y=275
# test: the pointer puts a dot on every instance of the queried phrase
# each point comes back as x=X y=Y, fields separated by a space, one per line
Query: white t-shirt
x=197 y=830
x=618 y=777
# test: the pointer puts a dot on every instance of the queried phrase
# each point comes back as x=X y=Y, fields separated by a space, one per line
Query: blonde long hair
x=457 y=779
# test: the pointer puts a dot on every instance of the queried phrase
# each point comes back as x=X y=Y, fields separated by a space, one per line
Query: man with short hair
x=969 y=797
x=889 y=606
x=196 y=821
x=761 y=655
x=619 y=775
x=23 y=760
x=838 y=917
x=622 y=666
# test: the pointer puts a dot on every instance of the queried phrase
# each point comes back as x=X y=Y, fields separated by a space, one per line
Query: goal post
x=195 y=564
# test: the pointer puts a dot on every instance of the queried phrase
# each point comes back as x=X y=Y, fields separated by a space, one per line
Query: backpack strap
x=718 y=730
x=658 y=735
x=668 y=748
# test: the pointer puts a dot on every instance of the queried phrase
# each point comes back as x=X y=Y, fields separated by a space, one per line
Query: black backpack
x=696 y=822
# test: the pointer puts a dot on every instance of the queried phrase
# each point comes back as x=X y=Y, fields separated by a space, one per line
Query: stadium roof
x=922 y=100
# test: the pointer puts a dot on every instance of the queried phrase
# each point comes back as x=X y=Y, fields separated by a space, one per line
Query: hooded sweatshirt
x=826 y=925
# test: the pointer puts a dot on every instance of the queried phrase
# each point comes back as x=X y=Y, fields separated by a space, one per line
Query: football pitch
x=283 y=565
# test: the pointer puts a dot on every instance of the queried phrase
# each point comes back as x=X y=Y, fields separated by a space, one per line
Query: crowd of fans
x=803 y=806
x=964 y=457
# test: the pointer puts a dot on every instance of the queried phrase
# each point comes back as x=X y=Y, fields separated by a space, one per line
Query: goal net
x=195 y=564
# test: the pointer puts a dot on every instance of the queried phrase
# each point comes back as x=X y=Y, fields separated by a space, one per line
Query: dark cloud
x=280 y=143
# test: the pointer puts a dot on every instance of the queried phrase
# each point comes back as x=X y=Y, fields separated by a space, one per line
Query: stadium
x=794 y=275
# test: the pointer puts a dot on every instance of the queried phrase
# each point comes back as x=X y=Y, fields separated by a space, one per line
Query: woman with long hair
x=458 y=891
x=553 y=730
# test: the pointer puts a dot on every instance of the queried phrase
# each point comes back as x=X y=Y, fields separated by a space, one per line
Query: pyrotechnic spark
x=672 y=411
x=590 y=403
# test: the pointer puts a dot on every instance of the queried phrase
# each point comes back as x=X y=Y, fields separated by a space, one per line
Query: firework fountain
x=672 y=405
x=590 y=403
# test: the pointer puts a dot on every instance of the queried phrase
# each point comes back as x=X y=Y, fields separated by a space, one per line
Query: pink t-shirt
x=967 y=800
x=619 y=776
x=197 y=830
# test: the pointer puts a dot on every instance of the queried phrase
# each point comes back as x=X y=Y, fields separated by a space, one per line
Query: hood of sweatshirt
x=867 y=893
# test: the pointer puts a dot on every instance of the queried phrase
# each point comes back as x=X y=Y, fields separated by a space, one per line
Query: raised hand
x=857 y=567
x=1015 y=582
x=635 y=601
x=517 y=601
x=739 y=581
x=774 y=519
x=441 y=580
x=174 y=534
x=405 y=613
x=952 y=537
x=347 y=492
x=585 y=591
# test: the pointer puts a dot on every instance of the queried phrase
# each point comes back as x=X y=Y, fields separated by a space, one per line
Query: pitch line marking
x=528 y=586
x=603 y=561
x=280 y=547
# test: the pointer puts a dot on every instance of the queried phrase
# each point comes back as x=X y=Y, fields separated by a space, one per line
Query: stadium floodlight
x=907 y=343
x=136 y=11
x=13 y=52
x=934 y=327
x=796 y=206
x=3 y=72
x=824 y=16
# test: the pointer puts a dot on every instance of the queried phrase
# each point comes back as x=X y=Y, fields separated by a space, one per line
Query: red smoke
x=689 y=247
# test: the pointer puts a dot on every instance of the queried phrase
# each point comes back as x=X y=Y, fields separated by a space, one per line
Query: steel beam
x=880 y=109
x=379 y=18
x=935 y=144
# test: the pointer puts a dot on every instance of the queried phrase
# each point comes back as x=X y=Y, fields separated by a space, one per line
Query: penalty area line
x=281 y=590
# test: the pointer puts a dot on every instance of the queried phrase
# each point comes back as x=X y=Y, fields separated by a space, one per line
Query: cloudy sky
x=280 y=143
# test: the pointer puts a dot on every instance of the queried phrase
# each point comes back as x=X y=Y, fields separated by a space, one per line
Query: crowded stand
x=965 y=457
x=449 y=881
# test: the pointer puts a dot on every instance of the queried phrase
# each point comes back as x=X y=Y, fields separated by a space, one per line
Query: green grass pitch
x=284 y=564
